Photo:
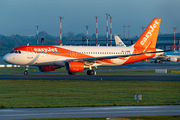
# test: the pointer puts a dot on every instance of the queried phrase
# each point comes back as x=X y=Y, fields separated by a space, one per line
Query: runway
x=84 y=112
x=158 y=77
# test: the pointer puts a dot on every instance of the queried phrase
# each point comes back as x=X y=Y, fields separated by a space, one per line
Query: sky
x=21 y=16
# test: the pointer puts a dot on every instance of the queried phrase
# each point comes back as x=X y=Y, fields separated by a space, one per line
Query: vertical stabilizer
x=149 y=37
x=118 y=41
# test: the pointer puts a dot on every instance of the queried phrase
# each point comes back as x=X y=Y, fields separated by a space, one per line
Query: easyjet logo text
x=149 y=33
x=49 y=49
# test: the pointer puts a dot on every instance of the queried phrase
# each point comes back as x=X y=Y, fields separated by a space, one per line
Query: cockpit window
x=16 y=51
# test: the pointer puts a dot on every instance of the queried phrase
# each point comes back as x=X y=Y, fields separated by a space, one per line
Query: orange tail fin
x=149 y=38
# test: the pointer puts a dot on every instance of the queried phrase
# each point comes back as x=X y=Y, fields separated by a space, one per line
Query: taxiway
x=158 y=77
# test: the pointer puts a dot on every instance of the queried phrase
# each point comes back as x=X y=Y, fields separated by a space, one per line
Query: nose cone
x=6 y=58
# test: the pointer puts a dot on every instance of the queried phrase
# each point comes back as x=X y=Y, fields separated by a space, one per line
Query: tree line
x=7 y=43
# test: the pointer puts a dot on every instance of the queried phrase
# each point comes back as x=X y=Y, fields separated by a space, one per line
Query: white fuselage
x=58 y=58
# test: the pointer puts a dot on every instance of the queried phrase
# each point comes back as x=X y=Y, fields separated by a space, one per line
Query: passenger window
x=19 y=52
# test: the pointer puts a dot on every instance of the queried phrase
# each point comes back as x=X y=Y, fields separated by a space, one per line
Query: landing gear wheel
x=25 y=72
x=71 y=73
x=90 y=72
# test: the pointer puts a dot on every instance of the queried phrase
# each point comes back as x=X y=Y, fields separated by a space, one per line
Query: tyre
x=90 y=72
x=25 y=72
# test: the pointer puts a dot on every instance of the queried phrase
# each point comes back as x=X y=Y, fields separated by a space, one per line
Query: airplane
x=118 y=41
x=77 y=58
x=172 y=56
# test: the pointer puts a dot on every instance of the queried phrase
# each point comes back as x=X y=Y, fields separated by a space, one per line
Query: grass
x=50 y=93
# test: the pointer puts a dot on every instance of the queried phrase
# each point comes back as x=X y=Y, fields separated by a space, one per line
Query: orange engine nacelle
x=74 y=66
x=47 y=68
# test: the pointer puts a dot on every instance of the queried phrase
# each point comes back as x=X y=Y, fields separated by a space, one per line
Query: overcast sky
x=21 y=16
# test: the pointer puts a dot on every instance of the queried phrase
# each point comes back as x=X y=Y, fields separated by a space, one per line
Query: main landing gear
x=26 y=70
x=90 y=72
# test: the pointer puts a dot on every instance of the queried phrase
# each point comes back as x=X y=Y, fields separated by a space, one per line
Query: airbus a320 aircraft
x=77 y=58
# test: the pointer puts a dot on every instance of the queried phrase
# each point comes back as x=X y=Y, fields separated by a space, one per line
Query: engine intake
x=74 y=66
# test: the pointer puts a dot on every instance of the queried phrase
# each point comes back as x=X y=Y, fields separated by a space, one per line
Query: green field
x=50 y=93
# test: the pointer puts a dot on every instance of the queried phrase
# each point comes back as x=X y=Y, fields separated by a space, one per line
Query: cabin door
x=30 y=53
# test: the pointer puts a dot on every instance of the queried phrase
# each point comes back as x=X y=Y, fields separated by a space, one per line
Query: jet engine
x=74 y=66
x=47 y=68
x=173 y=59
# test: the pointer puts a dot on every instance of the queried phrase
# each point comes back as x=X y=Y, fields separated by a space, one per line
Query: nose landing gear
x=26 y=70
